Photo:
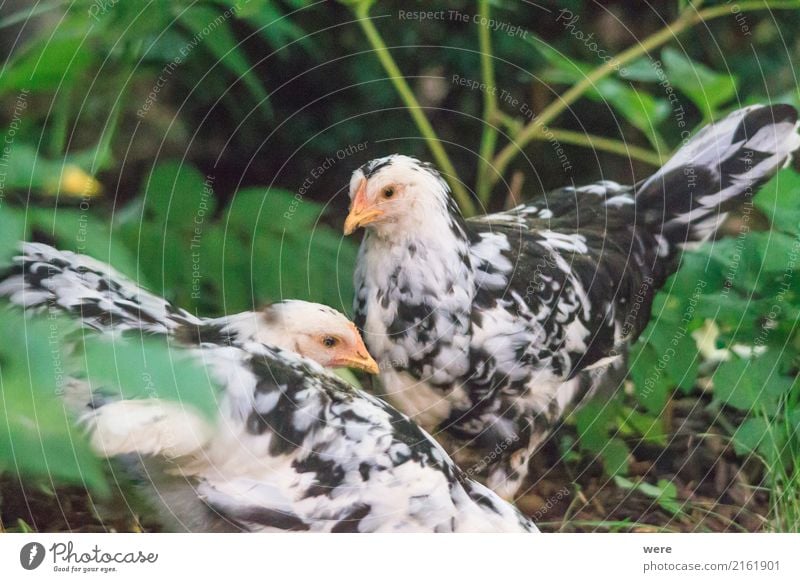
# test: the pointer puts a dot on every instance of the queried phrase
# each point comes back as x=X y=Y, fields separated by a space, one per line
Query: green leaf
x=274 y=209
x=276 y=28
x=677 y=352
x=12 y=230
x=592 y=422
x=348 y=376
x=754 y=385
x=151 y=369
x=664 y=492
x=750 y=434
x=637 y=107
x=225 y=269
x=640 y=109
x=38 y=439
x=778 y=200
x=651 y=380
x=707 y=89
x=649 y=428
x=764 y=437
x=46 y=63
x=178 y=193
x=615 y=455
x=641 y=70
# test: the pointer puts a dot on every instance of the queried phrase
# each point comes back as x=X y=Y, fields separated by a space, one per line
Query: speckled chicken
x=291 y=448
x=487 y=329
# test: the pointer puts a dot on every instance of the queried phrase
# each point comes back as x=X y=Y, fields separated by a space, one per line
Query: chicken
x=294 y=449
x=486 y=330
x=290 y=448
x=44 y=278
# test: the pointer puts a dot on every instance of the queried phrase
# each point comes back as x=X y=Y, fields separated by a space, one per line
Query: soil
x=716 y=490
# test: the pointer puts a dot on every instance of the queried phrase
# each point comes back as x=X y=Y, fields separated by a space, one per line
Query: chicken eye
x=388 y=192
x=329 y=341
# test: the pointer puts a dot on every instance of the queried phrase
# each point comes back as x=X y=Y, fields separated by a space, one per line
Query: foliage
x=39 y=436
x=40 y=359
x=192 y=147
x=731 y=314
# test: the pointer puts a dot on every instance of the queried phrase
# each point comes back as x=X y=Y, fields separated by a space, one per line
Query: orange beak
x=360 y=212
x=361 y=360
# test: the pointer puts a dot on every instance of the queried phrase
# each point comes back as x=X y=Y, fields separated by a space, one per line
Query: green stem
x=489 y=136
x=418 y=115
x=687 y=19
x=605 y=144
x=596 y=142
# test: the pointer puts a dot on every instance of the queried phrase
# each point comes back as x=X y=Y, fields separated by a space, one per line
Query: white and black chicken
x=293 y=448
x=482 y=327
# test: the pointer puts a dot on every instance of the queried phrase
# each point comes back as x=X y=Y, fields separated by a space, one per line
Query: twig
x=514 y=190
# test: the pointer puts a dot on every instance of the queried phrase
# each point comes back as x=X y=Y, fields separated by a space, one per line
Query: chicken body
x=486 y=330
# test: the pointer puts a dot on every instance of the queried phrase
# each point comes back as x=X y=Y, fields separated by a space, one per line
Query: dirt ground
x=716 y=492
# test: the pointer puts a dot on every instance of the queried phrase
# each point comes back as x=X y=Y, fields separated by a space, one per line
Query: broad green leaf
x=641 y=70
x=778 y=199
x=227 y=280
x=592 y=421
x=46 y=63
x=637 y=107
x=750 y=434
x=707 y=89
x=651 y=380
x=151 y=368
x=273 y=209
x=677 y=353
x=12 y=230
x=179 y=194
x=275 y=27
x=615 y=455
x=755 y=385
x=765 y=437
x=164 y=258
x=331 y=263
x=649 y=428
x=38 y=438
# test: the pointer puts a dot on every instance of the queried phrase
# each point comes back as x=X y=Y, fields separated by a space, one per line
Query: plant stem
x=687 y=19
x=596 y=142
x=605 y=144
x=489 y=136
x=414 y=108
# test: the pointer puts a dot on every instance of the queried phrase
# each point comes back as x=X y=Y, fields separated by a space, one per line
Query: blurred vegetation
x=204 y=149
